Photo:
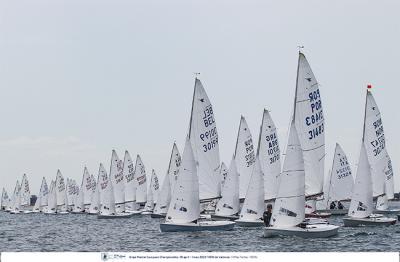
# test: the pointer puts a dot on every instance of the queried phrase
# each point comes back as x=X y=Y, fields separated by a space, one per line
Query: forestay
x=341 y=178
x=289 y=205
x=204 y=140
x=185 y=203
x=244 y=156
x=361 y=205
x=269 y=155
x=309 y=119
x=229 y=203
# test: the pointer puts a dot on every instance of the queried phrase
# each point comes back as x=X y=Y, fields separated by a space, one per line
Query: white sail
x=152 y=193
x=341 y=179
x=4 y=199
x=361 y=205
x=244 y=156
x=389 y=181
x=309 y=121
x=25 y=192
x=269 y=154
x=60 y=192
x=253 y=206
x=107 y=202
x=374 y=140
x=16 y=201
x=118 y=182
x=223 y=172
x=130 y=187
x=204 y=138
x=382 y=203
x=79 y=205
x=52 y=206
x=164 y=197
x=44 y=193
x=228 y=205
x=290 y=201
x=36 y=207
x=185 y=202
x=173 y=167
x=86 y=187
x=70 y=193
x=140 y=181
x=95 y=201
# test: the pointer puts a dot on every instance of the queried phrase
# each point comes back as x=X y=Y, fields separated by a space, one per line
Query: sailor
x=267 y=215
x=333 y=205
x=340 y=206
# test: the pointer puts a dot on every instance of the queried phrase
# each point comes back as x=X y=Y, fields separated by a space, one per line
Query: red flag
x=369 y=86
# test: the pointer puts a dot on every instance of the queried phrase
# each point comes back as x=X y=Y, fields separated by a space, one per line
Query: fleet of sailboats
x=199 y=193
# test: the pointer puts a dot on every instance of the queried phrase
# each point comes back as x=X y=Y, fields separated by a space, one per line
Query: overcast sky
x=79 y=78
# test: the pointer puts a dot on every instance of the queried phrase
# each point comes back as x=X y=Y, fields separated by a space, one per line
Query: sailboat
x=129 y=187
x=36 y=207
x=16 y=199
x=184 y=210
x=361 y=205
x=140 y=184
x=95 y=201
x=25 y=195
x=269 y=156
x=203 y=136
x=228 y=206
x=79 y=206
x=43 y=196
x=61 y=195
x=168 y=185
x=107 y=201
x=152 y=194
x=70 y=190
x=52 y=200
x=341 y=182
x=289 y=213
x=4 y=199
x=87 y=190
x=253 y=208
x=117 y=181
x=244 y=157
x=382 y=205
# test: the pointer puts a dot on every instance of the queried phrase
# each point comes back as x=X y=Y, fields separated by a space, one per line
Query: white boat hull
x=218 y=218
x=388 y=211
x=134 y=212
x=310 y=231
x=249 y=223
x=120 y=215
x=335 y=212
x=199 y=226
x=369 y=221
x=146 y=213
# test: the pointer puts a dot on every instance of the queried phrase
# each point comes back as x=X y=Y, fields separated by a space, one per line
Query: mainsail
x=107 y=202
x=60 y=192
x=86 y=188
x=309 y=120
x=140 y=181
x=290 y=201
x=152 y=193
x=244 y=157
x=185 y=203
x=269 y=154
x=44 y=193
x=341 y=179
x=203 y=136
x=130 y=188
x=117 y=181
x=25 y=192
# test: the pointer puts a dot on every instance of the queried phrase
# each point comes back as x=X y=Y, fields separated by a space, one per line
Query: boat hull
x=229 y=218
x=318 y=215
x=134 y=212
x=374 y=221
x=388 y=211
x=335 y=212
x=311 y=231
x=146 y=213
x=122 y=215
x=154 y=215
x=249 y=223
x=200 y=226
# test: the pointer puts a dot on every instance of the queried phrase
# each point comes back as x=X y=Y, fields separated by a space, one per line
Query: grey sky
x=79 y=78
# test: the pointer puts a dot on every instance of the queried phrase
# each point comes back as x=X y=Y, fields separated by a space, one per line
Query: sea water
x=79 y=232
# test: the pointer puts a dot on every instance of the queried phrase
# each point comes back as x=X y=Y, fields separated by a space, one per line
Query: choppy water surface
x=39 y=232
